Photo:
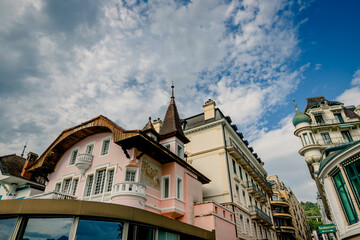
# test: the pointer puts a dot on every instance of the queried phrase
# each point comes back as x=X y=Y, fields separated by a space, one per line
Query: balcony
x=333 y=122
x=282 y=215
x=129 y=193
x=280 y=203
x=260 y=216
x=83 y=161
x=53 y=195
x=256 y=192
x=237 y=154
x=286 y=229
x=337 y=141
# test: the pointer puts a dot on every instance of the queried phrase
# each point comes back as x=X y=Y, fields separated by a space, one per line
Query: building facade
x=330 y=137
x=134 y=171
x=239 y=182
x=13 y=183
x=289 y=217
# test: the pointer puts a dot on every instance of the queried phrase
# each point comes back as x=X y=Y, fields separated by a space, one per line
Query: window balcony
x=53 y=195
x=260 y=216
x=332 y=122
x=129 y=193
x=256 y=192
x=337 y=141
x=83 y=161
x=282 y=215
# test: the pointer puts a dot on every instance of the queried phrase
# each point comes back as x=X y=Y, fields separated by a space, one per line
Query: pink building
x=100 y=161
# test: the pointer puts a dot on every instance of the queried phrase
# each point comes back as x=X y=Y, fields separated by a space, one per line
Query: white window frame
x=87 y=183
x=89 y=144
x=163 y=186
x=108 y=138
x=101 y=182
x=108 y=179
x=181 y=188
x=57 y=183
x=71 y=155
x=132 y=169
x=72 y=186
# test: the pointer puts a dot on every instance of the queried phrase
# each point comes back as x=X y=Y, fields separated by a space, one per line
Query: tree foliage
x=311 y=210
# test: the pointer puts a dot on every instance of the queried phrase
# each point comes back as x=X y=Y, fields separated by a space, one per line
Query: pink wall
x=212 y=216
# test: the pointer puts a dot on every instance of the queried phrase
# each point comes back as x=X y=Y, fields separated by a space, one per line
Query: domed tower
x=311 y=150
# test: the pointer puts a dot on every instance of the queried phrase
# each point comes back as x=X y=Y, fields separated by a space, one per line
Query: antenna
x=22 y=154
x=172 y=89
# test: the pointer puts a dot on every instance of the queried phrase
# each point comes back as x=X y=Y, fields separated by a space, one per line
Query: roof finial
x=172 y=89
x=149 y=119
x=295 y=105
x=22 y=154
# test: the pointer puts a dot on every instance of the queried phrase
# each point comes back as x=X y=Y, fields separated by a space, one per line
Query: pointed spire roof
x=150 y=128
x=172 y=124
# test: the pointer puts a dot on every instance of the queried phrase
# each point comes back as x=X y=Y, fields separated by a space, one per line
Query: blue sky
x=64 y=62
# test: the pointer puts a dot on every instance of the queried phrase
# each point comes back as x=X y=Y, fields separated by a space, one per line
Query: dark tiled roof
x=198 y=120
x=350 y=113
x=12 y=164
x=172 y=125
x=313 y=101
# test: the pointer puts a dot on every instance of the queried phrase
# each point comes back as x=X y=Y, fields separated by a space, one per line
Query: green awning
x=346 y=126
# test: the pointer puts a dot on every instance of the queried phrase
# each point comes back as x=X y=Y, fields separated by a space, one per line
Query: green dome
x=300 y=117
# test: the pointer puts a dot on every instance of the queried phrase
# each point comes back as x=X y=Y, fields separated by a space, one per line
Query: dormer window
x=105 y=146
x=319 y=120
x=339 y=118
x=167 y=146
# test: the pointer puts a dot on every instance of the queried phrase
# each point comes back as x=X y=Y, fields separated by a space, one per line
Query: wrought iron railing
x=338 y=140
x=257 y=189
x=333 y=121
x=255 y=210
x=249 y=162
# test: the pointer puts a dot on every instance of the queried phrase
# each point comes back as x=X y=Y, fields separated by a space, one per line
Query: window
x=73 y=155
x=326 y=138
x=312 y=138
x=167 y=235
x=344 y=197
x=166 y=187
x=319 y=120
x=242 y=223
x=130 y=174
x=237 y=192
x=74 y=186
x=240 y=171
x=234 y=166
x=167 y=146
x=7 y=226
x=66 y=186
x=57 y=187
x=105 y=146
x=353 y=173
x=89 y=148
x=87 y=229
x=179 y=188
x=339 y=118
x=243 y=192
x=110 y=180
x=179 y=151
x=56 y=228
x=275 y=197
x=100 y=181
x=89 y=183
x=247 y=179
x=306 y=139
x=347 y=136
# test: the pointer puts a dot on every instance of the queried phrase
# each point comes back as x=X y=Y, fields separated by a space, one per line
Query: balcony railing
x=53 y=195
x=83 y=161
x=258 y=214
x=249 y=162
x=333 y=121
x=337 y=140
x=252 y=188
x=129 y=188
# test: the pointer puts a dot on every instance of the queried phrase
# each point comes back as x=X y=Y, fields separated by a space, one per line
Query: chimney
x=157 y=125
x=31 y=158
x=209 y=109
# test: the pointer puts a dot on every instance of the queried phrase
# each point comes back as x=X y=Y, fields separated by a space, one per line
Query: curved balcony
x=289 y=229
x=129 y=193
x=279 y=203
x=258 y=215
x=83 y=161
x=281 y=215
x=53 y=195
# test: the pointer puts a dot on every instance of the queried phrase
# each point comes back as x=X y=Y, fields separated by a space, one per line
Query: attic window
x=105 y=146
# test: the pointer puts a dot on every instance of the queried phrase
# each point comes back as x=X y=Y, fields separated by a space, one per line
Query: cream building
x=289 y=217
x=239 y=182
x=330 y=137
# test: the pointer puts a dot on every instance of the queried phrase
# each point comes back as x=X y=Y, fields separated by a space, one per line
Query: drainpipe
x=228 y=170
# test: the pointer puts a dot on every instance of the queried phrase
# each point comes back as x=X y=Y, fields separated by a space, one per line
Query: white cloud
x=317 y=66
x=351 y=96
x=356 y=78
x=279 y=151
